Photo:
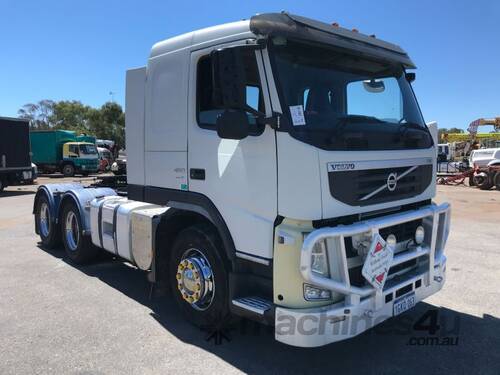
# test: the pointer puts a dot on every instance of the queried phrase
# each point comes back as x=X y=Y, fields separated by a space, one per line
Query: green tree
x=442 y=131
x=107 y=122
x=70 y=115
x=38 y=113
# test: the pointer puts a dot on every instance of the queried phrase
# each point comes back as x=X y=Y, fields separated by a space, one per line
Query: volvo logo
x=392 y=181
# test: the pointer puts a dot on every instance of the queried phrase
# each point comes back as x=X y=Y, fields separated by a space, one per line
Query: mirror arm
x=273 y=121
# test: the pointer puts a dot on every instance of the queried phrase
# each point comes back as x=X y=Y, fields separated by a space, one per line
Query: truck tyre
x=198 y=277
x=79 y=247
x=496 y=180
x=68 y=170
x=47 y=228
x=483 y=181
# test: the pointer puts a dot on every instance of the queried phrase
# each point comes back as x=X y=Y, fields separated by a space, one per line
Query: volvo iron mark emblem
x=392 y=181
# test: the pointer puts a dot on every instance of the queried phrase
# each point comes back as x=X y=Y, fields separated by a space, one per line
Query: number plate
x=404 y=303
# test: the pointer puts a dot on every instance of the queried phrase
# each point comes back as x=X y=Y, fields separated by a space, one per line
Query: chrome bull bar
x=436 y=220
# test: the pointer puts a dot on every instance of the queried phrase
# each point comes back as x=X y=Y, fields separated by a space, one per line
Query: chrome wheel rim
x=72 y=231
x=195 y=280
x=44 y=223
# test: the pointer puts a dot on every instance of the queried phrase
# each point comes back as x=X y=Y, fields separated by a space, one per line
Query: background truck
x=279 y=169
x=15 y=160
x=59 y=150
x=486 y=165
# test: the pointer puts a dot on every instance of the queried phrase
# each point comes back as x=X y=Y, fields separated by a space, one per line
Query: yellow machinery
x=464 y=143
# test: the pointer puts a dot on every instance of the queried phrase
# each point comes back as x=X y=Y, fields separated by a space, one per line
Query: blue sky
x=80 y=49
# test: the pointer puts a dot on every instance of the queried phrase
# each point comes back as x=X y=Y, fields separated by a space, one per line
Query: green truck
x=63 y=151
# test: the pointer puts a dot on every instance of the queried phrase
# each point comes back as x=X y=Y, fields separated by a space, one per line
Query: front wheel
x=79 y=247
x=198 y=277
x=68 y=170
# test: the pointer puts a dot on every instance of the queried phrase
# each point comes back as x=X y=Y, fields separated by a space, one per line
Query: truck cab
x=79 y=157
x=289 y=175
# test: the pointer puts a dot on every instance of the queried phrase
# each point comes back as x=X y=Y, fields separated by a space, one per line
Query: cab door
x=238 y=176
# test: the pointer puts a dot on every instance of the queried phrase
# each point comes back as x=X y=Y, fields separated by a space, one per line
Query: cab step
x=255 y=308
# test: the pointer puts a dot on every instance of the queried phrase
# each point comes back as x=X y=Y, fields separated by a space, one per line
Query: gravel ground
x=100 y=319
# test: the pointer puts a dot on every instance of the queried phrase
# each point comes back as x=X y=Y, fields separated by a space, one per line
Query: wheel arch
x=193 y=202
x=54 y=194
x=169 y=228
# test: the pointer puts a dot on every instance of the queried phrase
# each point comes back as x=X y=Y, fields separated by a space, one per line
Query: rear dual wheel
x=79 y=247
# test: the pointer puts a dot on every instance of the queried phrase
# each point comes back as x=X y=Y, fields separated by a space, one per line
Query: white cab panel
x=299 y=188
x=167 y=169
x=166 y=106
x=134 y=124
x=166 y=122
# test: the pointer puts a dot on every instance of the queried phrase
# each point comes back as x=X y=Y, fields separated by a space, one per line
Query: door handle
x=197 y=173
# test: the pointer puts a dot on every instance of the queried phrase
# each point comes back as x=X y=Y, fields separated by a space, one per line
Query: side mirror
x=233 y=124
x=410 y=77
x=228 y=73
x=229 y=76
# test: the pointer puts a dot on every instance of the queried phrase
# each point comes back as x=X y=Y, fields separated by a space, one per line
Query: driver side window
x=207 y=111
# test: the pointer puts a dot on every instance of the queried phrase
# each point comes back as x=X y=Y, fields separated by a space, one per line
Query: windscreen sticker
x=297 y=112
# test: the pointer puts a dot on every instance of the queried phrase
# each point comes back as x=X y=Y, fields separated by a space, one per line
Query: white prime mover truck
x=279 y=169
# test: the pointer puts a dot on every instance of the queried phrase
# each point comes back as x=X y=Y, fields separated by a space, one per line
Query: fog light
x=419 y=235
x=312 y=293
x=391 y=240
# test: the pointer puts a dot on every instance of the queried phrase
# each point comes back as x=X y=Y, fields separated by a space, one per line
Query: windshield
x=88 y=149
x=338 y=101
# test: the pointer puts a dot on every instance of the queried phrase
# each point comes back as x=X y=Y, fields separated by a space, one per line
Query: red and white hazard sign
x=378 y=262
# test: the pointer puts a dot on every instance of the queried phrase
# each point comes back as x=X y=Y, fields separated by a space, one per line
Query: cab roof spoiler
x=302 y=28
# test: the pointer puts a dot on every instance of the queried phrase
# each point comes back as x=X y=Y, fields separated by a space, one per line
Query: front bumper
x=361 y=308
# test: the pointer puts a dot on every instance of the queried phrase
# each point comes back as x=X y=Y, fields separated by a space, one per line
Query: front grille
x=352 y=186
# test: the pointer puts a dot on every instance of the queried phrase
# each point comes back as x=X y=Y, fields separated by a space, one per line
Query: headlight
x=419 y=235
x=311 y=293
x=319 y=259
